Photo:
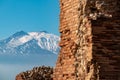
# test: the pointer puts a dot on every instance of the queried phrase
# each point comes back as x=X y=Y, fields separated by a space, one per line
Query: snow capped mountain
x=30 y=43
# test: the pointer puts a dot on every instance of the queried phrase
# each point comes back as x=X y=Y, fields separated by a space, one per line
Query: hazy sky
x=28 y=15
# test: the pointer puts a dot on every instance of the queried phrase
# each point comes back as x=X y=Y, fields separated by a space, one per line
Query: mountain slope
x=30 y=43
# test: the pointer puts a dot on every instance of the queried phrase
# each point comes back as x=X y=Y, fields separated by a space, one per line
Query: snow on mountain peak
x=33 y=33
x=25 y=39
x=44 y=40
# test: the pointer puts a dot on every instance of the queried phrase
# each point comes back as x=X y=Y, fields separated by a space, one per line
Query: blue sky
x=28 y=15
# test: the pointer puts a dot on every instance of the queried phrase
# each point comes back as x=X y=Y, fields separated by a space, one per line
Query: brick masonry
x=90 y=40
x=37 y=73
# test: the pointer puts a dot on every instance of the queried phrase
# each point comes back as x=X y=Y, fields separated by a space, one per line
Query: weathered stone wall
x=76 y=45
x=106 y=40
x=37 y=73
x=90 y=40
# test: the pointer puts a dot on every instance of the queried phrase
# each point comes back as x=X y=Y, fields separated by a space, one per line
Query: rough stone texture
x=38 y=73
x=106 y=40
x=90 y=40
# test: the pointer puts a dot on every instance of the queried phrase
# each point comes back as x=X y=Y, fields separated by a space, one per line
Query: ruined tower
x=90 y=40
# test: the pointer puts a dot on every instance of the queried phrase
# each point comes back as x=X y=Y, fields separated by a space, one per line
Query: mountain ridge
x=25 y=42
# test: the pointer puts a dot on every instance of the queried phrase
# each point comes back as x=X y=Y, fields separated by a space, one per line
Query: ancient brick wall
x=37 y=73
x=90 y=40
x=76 y=46
x=106 y=40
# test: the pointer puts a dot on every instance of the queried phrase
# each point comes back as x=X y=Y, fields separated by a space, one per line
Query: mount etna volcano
x=30 y=43
x=22 y=51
